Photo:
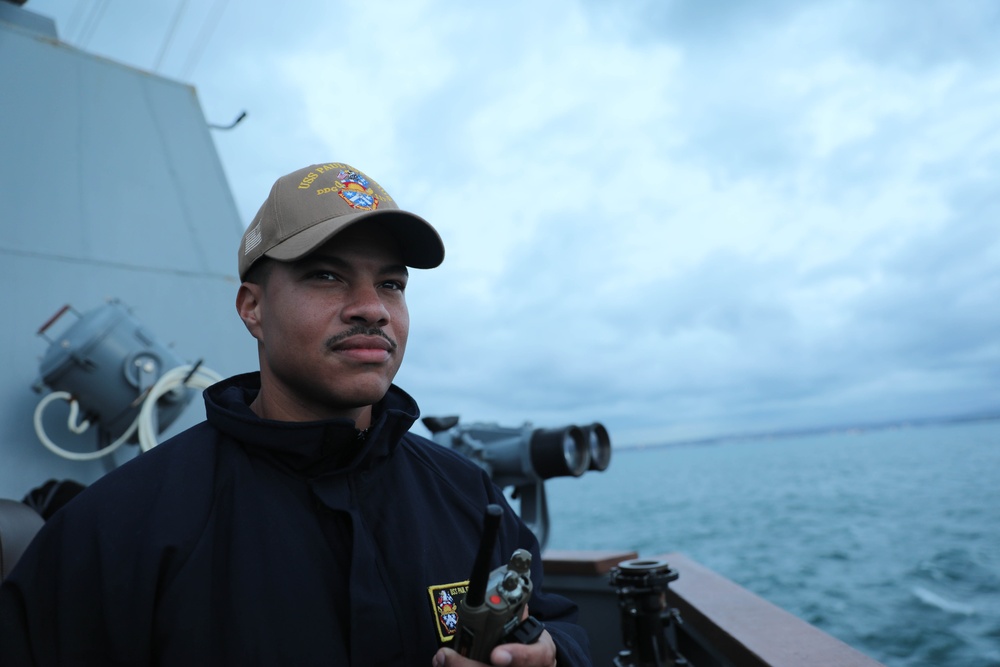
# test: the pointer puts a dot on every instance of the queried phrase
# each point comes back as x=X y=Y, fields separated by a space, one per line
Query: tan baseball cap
x=306 y=208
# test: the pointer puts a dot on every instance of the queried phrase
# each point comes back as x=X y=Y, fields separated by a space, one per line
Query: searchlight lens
x=600 y=446
x=561 y=452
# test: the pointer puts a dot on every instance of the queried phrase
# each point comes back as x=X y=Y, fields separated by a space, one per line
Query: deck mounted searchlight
x=524 y=457
x=115 y=375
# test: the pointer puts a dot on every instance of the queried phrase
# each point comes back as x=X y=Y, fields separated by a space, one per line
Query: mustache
x=359 y=330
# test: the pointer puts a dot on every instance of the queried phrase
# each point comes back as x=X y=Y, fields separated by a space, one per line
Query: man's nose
x=366 y=306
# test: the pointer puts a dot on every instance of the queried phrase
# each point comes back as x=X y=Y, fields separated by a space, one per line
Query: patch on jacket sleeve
x=444 y=601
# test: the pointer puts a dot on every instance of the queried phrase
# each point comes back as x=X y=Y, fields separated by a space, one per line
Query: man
x=300 y=524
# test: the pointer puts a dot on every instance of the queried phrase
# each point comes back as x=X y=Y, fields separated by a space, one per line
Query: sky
x=680 y=219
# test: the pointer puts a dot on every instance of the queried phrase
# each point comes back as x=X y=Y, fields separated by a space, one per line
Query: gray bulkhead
x=110 y=188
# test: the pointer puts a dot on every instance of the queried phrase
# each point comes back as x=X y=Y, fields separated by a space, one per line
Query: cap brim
x=419 y=243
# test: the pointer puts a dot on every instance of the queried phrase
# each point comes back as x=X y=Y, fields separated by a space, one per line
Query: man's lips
x=369 y=349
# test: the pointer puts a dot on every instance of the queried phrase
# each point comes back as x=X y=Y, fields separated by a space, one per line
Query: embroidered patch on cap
x=356 y=191
x=444 y=601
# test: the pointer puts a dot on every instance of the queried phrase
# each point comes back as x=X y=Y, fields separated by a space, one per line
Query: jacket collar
x=312 y=448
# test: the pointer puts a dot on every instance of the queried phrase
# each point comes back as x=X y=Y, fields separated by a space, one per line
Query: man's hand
x=539 y=654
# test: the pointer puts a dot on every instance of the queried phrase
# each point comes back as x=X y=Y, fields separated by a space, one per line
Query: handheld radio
x=491 y=612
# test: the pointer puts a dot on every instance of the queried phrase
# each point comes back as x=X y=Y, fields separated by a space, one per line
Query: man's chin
x=362 y=394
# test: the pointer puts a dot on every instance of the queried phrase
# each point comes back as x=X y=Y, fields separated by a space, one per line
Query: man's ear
x=248 y=304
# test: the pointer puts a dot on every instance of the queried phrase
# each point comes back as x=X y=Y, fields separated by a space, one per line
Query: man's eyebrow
x=333 y=260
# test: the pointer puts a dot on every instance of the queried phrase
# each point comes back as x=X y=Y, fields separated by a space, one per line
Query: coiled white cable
x=197 y=377
x=200 y=378
x=74 y=409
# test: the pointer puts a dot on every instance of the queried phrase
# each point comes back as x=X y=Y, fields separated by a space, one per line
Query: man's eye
x=397 y=285
x=324 y=275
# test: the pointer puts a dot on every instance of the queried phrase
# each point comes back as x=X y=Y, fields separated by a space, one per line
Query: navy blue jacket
x=251 y=542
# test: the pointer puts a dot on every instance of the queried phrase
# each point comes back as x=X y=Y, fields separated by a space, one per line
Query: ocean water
x=886 y=539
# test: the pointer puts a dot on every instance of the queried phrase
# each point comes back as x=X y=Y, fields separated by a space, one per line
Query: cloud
x=741 y=274
x=680 y=219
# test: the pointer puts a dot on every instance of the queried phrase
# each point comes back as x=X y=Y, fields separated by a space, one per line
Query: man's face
x=331 y=328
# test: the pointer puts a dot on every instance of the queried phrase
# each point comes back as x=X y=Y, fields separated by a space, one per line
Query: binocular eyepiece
x=569 y=451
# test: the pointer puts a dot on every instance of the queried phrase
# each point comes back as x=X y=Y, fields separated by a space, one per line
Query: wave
x=942 y=603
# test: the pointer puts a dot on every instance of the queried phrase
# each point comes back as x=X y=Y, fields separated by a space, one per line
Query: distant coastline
x=853 y=429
